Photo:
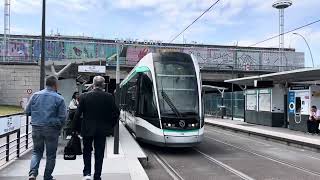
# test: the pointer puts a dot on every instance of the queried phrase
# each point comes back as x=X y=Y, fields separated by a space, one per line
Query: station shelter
x=282 y=99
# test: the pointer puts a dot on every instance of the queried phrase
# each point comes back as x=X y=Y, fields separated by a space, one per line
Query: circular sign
x=291 y=106
x=29 y=91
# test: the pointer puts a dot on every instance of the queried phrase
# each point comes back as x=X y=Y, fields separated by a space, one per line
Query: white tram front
x=160 y=100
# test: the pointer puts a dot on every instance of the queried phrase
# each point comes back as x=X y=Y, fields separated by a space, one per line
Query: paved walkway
x=124 y=166
x=281 y=134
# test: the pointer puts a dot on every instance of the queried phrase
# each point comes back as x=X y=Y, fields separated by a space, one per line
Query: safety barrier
x=15 y=137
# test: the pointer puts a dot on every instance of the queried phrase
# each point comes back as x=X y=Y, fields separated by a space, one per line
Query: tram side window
x=131 y=95
x=147 y=103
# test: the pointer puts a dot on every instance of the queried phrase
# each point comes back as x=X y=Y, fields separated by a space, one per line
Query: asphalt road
x=226 y=155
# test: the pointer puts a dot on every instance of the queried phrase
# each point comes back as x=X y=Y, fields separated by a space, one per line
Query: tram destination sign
x=9 y=124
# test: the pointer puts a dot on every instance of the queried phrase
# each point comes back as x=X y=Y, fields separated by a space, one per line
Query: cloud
x=35 y=6
x=26 y=6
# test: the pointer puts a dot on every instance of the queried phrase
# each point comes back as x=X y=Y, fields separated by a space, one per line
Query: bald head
x=98 y=82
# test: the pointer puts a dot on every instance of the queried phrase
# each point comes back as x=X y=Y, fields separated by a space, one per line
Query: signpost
x=92 y=69
x=9 y=124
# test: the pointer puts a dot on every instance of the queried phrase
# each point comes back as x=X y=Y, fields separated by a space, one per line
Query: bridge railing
x=131 y=63
x=229 y=67
x=17 y=141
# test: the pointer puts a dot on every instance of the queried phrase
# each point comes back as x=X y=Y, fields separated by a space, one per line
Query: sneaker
x=87 y=177
x=32 y=177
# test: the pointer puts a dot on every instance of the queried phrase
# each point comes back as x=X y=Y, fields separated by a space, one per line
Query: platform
x=124 y=166
x=282 y=135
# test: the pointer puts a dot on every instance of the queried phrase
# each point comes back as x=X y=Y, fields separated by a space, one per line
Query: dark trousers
x=313 y=126
x=99 y=143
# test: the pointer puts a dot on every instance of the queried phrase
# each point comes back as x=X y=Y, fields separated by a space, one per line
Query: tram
x=160 y=100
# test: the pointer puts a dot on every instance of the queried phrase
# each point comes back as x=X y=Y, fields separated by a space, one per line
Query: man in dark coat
x=100 y=115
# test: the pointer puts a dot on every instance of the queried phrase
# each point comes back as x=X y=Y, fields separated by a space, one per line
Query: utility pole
x=43 y=46
x=232 y=99
x=6 y=29
x=117 y=96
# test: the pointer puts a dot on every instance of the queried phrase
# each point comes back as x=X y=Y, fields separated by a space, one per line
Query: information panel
x=8 y=124
x=265 y=100
x=251 y=100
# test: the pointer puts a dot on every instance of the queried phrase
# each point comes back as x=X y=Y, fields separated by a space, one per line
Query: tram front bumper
x=182 y=141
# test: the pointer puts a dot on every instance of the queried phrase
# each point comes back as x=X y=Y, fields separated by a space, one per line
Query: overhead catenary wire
x=175 y=37
x=309 y=24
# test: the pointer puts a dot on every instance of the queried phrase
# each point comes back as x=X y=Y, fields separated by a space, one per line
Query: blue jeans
x=44 y=137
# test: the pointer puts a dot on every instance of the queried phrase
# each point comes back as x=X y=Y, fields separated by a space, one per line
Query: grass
x=7 y=110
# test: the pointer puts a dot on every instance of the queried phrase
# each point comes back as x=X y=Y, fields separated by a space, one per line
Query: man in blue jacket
x=48 y=114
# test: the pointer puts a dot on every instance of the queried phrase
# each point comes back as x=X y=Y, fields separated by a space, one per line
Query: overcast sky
x=231 y=21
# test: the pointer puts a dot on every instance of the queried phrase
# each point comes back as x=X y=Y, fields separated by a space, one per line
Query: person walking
x=100 y=115
x=74 y=102
x=73 y=105
x=48 y=114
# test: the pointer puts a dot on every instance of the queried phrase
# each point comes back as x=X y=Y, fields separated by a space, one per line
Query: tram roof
x=298 y=75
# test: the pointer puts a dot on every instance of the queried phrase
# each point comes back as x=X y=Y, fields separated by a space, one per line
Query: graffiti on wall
x=134 y=54
x=54 y=50
x=247 y=60
x=105 y=51
x=131 y=54
x=17 y=49
x=75 y=50
x=212 y=57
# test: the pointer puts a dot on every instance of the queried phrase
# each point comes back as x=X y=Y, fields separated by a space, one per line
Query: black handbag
x=73 y=148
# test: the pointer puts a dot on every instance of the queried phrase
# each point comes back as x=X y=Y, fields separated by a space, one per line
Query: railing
x=124 y=62
x=230 y=67
x=15 y=143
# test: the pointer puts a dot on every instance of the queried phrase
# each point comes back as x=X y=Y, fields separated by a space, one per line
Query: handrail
x=14 y=114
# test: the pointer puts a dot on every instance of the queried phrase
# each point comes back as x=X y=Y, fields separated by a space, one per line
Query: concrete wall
x=66 y=88
x=15 y=80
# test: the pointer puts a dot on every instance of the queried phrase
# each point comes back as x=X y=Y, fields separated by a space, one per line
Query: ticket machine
x=300 y=100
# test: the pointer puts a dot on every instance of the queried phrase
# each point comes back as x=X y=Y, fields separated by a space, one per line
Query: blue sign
x=291 y=102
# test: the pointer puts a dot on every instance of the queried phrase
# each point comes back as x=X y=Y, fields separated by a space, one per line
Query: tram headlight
x=192 y=125
x=169 y=125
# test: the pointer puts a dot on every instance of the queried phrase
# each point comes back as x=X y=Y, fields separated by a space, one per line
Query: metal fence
x=213 y=101
x=131 y=63
x=13 y=144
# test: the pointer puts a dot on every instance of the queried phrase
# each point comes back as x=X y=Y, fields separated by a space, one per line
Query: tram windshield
x=177 y=85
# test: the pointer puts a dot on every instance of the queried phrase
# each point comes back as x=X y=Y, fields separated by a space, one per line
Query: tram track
x=262 y=143
x=224 y=166
x=276 y=160
x=167 y=167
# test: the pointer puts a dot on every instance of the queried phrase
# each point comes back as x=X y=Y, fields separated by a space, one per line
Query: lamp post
x=231 y=67
x=307 y=45
x=42 y=61
x=117 y=95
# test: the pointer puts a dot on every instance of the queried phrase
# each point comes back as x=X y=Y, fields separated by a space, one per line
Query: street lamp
x=231 y=67
x=307 y=45
x=43 y=47
x=117 y=95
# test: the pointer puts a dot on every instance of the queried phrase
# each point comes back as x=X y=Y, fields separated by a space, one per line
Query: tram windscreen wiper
x=169 y=102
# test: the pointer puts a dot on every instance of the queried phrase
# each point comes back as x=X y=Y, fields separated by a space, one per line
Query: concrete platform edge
x=289 y=142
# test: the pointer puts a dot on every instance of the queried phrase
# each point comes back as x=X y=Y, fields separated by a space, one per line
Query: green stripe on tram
x=142 y=69
x=137 y=70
